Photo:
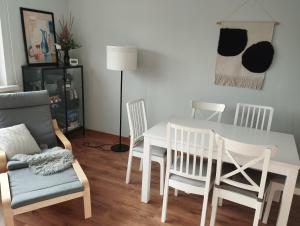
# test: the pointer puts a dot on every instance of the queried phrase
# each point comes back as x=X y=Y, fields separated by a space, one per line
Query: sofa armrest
x=61 y=136
x=5 y=191
x=3 y=162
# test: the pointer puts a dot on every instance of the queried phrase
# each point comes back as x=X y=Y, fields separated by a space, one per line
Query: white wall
x=178 y=41
x=58 y=7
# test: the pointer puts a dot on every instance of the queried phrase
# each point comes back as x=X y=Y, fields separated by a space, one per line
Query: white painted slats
x=188 y=146
x=253 y=116
x=138 y=125
x=137 y=118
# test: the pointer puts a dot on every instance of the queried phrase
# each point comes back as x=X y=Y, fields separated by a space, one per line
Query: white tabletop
x=287 y=149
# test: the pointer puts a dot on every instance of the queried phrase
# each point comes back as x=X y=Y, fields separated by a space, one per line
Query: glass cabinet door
x=53 y=81
x=74 y=98
x=32 y=79
x=65 y=87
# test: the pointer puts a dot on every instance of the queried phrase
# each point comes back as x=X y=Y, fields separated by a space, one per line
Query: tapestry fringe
x=242 y=81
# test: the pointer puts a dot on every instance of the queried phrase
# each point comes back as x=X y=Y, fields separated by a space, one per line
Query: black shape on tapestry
x=258 y=57
x=232 y=41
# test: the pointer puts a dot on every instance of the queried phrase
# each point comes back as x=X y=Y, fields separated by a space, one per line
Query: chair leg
x=165 y=200
x=277 y=196
x=204 y=209
x=129 y=165
x=270 y=198
x=87 y=203
x=176 y=192
x=220 y=202
x=257 y=214
x=214 y=207
x=141 y=165
x=162 y=176
x=8 y=217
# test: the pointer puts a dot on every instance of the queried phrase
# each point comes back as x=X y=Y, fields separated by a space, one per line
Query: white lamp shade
x=121 y=58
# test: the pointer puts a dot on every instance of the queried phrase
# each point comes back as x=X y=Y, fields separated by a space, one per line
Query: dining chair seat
x=254 y=174
x=156 y=151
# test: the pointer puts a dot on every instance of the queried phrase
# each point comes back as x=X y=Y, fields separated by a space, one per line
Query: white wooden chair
x=276 y=186
x=138 y=125
x=187 y=168
x=217 y=109
x=253 y=116
x=239 y=185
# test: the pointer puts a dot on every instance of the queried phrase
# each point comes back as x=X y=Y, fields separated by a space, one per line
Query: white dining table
x=285 y=162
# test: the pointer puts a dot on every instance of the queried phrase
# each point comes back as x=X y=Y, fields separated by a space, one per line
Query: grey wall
x=177 y=41
x=58 y=7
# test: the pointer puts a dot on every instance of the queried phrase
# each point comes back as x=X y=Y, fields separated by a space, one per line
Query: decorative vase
x=67 y=58
x=44 y=43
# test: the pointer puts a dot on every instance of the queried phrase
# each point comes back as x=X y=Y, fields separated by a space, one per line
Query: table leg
x=146 y=171
x=287 y=197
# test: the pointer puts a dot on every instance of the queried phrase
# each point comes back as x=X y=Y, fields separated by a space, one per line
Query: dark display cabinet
x=65 y=87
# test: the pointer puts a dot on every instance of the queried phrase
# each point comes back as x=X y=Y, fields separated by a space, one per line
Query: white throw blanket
x=48 y=162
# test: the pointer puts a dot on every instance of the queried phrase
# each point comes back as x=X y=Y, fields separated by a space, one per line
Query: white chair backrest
x=253 y=116
x=186 y=149
x=137 y=119
x=217 y=109
x=243 y=156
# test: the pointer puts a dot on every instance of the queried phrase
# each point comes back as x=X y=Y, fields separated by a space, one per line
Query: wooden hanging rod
x=275 y=22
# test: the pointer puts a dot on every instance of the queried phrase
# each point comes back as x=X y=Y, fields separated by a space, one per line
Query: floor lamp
x=121 y=58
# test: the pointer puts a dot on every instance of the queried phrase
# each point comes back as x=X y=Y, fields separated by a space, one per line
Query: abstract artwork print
x=39 y=37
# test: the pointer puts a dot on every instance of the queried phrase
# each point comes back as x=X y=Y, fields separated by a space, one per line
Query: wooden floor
x=115 y=203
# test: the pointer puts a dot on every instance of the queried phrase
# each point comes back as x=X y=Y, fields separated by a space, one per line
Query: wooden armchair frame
x=9 y=213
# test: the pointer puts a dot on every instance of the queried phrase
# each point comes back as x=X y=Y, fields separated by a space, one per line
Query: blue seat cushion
x=27 y=188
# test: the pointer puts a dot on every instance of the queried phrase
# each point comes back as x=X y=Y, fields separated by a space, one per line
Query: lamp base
x=119 y=148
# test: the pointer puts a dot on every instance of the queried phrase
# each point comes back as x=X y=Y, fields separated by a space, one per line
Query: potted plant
x=65 y=37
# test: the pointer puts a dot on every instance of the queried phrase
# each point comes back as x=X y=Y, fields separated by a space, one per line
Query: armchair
x=21 y=190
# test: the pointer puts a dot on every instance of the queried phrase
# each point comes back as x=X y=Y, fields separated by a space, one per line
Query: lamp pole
x=121 y=101
x=120 y=147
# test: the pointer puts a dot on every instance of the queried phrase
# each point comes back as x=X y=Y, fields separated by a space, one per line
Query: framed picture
x=39 y=37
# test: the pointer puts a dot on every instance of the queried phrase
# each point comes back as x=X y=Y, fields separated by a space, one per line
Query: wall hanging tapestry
x=39 y=37
x=245 y=53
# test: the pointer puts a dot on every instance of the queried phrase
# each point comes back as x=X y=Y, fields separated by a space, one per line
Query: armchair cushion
x=17 y=140
x=28 y=188
x=32 y=109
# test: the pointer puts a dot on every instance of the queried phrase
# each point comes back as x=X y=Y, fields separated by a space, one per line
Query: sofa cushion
x=17 y=140
x=27 y=188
